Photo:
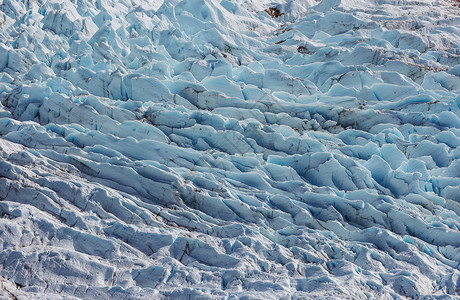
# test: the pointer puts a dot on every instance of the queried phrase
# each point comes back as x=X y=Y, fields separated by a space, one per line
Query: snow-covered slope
x=211 y=149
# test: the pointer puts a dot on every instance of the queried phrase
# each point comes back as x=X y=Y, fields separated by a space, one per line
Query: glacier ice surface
x=208 y=149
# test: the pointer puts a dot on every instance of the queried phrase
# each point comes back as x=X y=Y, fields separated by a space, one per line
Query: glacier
x=229 y=149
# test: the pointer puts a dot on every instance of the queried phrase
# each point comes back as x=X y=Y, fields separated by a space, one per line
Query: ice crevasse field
x=229 y=149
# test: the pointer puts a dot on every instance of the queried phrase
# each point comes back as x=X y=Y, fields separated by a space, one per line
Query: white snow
x=206 y=149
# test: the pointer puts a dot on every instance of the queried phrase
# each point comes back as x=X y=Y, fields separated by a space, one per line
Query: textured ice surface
x=204 y=149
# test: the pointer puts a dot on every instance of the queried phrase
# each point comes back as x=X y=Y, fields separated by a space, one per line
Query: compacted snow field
x=214 y=149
